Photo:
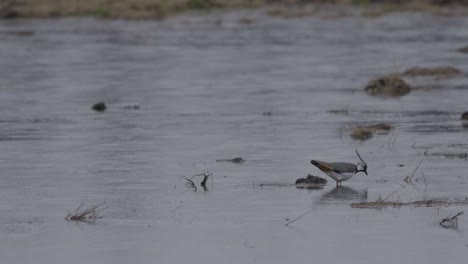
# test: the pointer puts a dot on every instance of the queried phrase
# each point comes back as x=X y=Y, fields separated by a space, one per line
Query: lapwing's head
x=361 y=165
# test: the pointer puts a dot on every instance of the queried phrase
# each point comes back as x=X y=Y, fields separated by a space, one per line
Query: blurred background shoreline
x=159 y=9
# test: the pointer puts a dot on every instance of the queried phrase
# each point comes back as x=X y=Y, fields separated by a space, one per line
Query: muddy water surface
x=208 y=88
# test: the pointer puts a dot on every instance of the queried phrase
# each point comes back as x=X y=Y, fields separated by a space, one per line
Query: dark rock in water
x=311 y=179
x=388 y=86
x=432 y=71
x=99 y=107
x=464 y=116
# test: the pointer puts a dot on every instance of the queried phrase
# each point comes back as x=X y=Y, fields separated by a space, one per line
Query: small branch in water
x=409 y=179
x=297 y=218
x=450 y=222
x=424 y=178
x=190 y=184
x=88 y=214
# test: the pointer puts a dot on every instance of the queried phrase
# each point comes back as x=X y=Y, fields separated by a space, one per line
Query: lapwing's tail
x=323 y=166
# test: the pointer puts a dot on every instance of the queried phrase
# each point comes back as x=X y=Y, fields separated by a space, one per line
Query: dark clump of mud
x=463 y=50
x=234 y=160
x=464 y=116
x=388 y=86
x=311 y=179
x=432 y=71
x=366 y=132
x=99 y=107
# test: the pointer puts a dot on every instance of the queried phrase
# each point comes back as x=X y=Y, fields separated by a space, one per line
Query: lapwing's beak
x=365 y=171
x=313 y=162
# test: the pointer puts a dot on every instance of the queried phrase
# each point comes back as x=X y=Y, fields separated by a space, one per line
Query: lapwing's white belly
x=340 y=176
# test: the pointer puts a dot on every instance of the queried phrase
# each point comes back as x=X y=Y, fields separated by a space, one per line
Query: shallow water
x=202 y=84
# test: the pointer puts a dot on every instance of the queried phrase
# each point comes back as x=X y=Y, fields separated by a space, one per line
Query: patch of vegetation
x=101 y=12
x=388 y=86
x=311 y=179
x=8 y=9
x=450 y=155
x=201 y=4
x=85 y=214
x=432 y=71
x=382 y=203
x=362 y=132
x=157 y=9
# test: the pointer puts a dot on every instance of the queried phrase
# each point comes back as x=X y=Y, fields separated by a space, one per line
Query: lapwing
x=341 y=171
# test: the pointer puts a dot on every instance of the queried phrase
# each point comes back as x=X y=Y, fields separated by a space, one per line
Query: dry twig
x=297 y=218
x=86 y=214
x=409 y=179
x=450 y=222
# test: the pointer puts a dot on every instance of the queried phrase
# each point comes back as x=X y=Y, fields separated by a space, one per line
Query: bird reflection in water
x=344 y=193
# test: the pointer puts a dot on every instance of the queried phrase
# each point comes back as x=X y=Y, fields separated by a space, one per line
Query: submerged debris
x=191 y=184
x=99 y=107
x=464 y=116
x=132 y=107
x=365 y=132
x=234 y=160
x=382 y=203
x=85 y=214
x=388 y=86
x=409 y=178
x=344 y=111
x=311 y=179
x=450 y=222
x=432 y=71
x=463 y=50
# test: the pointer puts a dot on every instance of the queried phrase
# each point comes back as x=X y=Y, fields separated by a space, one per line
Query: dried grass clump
x=311 y=179
x=8 y=9
x=388 y=86
x=382 y=203
x=366 y=132
x=85 y=214
x=433 y=71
